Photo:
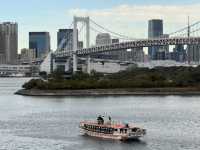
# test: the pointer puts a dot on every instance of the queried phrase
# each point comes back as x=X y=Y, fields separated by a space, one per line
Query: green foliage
x=80 y=76
x=57 y=75
x=131 y=78
x=35 y=84
x=43 y=74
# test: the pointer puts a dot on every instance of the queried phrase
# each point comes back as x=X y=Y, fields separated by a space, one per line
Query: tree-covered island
x=160 y=77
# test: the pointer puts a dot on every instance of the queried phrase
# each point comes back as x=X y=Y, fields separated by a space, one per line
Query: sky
x=128 y=17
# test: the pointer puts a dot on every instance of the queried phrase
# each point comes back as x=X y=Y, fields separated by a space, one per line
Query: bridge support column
x=75 y=45
x=87 y=21
x=88 y=65
x=74 y=63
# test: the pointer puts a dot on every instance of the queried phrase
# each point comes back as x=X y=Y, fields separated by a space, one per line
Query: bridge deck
x=133 y=44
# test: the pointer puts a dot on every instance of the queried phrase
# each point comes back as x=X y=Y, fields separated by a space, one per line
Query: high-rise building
x=115 y=54
x=65 y=39
x=135 y=54
x=27 y=55
x=180 y=50
x=65 y=34
x=8 y=43
x=40 y=42
x=155 y=30
x=178 y=54
x=193 y=53
x=165 y=48
x=103 y=39
x=163 y=51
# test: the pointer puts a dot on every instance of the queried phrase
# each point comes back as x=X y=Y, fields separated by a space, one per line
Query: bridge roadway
x=132 y=44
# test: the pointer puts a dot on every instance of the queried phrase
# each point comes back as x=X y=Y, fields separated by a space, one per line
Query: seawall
x=111 y=92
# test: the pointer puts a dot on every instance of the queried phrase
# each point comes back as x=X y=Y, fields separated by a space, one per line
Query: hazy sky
x=125 y=16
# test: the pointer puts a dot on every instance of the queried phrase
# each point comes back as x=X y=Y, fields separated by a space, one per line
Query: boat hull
x=111 y=136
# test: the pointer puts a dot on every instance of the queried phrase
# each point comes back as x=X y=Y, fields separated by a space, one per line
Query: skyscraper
x=8 y=43
x=155 y=30
x=65 y=34
x=65 y=39
x=40 y=41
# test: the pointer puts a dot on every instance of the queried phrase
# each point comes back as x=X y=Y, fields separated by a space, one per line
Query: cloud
x=132 y=19
x=143 y=13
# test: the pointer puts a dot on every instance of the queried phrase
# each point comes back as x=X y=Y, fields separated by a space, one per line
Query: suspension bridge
x=186 y=36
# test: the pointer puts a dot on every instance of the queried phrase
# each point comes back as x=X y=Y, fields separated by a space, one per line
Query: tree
x=57 y=75
x=43 y=74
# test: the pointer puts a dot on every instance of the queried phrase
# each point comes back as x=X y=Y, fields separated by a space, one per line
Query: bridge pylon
x=85 y=20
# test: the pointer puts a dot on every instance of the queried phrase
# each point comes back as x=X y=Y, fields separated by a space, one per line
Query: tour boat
x=111 y=130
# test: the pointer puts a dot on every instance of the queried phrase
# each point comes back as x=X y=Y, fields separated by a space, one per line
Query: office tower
x=8 y=43
x=193 y=53
x=114 y=55
x=135 y=54
x=40 y=42
x=163 y=51
x=165 y=48
x=65 y=39
x=155 y=30
x=27 y=55
x=103 y=39
x=180 y=53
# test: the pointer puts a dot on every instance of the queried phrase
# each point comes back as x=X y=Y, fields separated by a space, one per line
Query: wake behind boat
x=111 y=130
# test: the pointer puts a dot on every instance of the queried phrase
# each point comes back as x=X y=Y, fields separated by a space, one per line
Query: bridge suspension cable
x=97 y=31
x=112 y=32
x=195 y=30
x=185 y=29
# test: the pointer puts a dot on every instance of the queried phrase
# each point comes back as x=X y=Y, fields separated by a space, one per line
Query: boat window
x=116 y=130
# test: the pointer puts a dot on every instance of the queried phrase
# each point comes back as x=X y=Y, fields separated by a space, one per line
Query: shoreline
x=112 y=92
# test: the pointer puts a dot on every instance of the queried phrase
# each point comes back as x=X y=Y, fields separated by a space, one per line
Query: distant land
x=135 y=81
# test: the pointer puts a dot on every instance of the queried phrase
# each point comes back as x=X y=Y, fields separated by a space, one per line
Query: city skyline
x=129 y=18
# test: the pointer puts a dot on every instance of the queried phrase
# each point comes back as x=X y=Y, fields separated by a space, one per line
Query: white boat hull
x=112 y=136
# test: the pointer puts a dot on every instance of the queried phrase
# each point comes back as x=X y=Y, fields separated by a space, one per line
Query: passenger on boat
x=109 y=118
x=100 y=120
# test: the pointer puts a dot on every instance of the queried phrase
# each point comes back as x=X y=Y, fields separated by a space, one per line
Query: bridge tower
x=85 y=20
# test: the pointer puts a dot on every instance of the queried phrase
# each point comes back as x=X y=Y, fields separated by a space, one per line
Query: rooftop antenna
x=188 y=34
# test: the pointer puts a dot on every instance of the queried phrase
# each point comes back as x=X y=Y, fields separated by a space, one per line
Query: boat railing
x=112 y=123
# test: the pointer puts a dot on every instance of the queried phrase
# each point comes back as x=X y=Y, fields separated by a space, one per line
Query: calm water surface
x=51 y=123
